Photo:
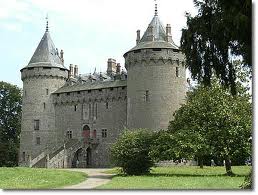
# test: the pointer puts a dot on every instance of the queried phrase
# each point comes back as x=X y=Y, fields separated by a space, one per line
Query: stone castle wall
x=154 y=90
x=38 y=84
x=99 y=109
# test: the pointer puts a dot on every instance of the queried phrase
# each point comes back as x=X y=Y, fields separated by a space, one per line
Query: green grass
x=32 y=178
x=180 y=178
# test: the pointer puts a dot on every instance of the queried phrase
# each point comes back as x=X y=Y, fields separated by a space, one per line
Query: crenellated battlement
x=44 y=72
x=154 y=57
x=116 y=94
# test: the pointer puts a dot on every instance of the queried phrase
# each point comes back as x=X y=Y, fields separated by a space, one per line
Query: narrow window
x=69 y=134
x=147 y=96
x=177 y=71
x=23 y=156
x=75 y=108
x=90 y=112
x=106 y=105
x=68 y=93
x=44 y=105
x=36 y=125
x=94 y=133
x=38 y=140
x=104 y=133
x=46 y=91
x=96 y=110
x=89 y=91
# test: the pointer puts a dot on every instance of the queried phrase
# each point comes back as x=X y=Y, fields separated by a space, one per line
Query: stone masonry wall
x=38 y=84
x=152 y=73
x=74 y=110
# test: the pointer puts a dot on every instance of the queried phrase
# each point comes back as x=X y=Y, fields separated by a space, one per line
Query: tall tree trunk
x=228 y=166
x=201 y=162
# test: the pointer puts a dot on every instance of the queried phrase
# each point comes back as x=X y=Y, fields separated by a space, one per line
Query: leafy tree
x=216 y=122
x=10 y=123
x=221 y=30
x=131 y=151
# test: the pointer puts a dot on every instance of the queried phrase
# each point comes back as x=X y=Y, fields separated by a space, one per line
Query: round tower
x=156 y=83
x=44 y=74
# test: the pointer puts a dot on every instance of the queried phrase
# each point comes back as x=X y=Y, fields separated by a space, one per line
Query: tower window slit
x=177 y=71
x=38 y=140
x=36 y=125
x=147 y=96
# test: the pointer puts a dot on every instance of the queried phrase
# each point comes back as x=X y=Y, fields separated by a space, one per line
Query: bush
x=131 y=151
x=248 y=182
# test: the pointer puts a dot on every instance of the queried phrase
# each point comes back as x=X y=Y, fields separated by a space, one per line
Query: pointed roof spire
x=46 y=54
x=156 y=8
x=47 y=23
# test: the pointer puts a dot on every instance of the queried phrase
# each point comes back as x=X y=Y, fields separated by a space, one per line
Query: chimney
x=70 y=71
x=111 y=66
x=168 y=33
x=150 y=33
x=76 y=71
x=118 y=68
x=62 y=56
x=138 y=38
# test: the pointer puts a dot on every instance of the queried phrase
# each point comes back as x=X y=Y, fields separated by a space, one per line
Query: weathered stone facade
x=70 y=120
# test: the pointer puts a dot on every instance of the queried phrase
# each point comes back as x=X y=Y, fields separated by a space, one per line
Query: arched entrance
x=86 y=134
x=77 y=159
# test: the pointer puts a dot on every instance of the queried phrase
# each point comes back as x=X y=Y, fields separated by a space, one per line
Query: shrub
x=131 y=151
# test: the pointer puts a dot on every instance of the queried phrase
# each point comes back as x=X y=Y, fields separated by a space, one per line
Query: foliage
x=131 y=151
x=217 y=123
x=10 y=123
x=222 y=29
x=180 y=177
x=248 y=183
x=32 y=178
x=167 y=146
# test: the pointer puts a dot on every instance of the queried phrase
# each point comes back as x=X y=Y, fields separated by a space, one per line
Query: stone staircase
x=58 y=158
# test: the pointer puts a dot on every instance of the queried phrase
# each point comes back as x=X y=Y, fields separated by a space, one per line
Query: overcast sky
x=89 y=31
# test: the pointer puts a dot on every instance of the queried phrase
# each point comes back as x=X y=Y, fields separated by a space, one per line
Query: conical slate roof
x=158 y=31
x=46 y=54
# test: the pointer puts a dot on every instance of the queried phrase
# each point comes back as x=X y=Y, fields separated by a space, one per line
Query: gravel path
x=95 y=178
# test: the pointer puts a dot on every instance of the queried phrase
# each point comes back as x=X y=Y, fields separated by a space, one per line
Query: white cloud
x=16 y=27
x=90 y=31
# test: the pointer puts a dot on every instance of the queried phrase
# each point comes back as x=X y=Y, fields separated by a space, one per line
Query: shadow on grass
x=179 y=175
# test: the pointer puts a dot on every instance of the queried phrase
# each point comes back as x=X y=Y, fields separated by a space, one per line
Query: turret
x=156 y=78
x=43 y=75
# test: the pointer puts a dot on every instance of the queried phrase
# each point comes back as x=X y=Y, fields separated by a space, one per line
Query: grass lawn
x=180 y=178
x=32 y=178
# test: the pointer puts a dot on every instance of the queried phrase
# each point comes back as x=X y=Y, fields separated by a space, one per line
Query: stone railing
x=36 y=159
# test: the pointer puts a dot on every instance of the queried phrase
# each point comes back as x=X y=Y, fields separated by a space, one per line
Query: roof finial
x=47 y=23
x=156 y=8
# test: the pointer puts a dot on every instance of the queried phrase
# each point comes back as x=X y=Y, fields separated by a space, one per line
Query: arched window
x=86 y=134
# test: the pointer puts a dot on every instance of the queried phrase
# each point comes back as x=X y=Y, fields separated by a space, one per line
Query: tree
x=10 y=123
x=222 y=29
x=216 y=122
x=131 y=151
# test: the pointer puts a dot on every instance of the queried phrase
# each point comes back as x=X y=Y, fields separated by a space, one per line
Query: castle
x=71 y=119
